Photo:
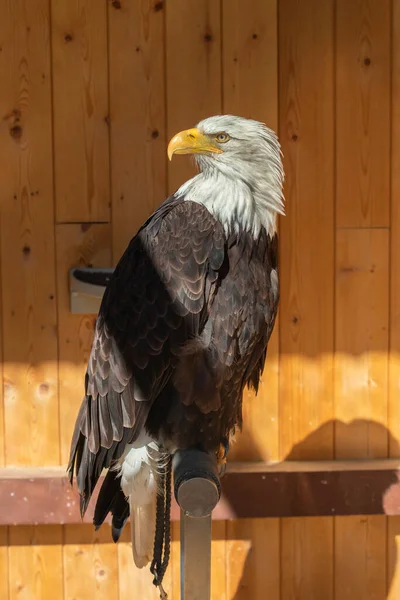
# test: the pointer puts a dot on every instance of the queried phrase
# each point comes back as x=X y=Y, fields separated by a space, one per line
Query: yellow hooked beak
x=192 y=141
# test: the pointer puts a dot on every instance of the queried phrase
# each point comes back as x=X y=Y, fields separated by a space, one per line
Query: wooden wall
x=90 y=93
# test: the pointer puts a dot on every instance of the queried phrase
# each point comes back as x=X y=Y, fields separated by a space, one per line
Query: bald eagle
x=183 y=326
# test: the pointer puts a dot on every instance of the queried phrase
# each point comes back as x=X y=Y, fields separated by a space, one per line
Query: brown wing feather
x=155 y=302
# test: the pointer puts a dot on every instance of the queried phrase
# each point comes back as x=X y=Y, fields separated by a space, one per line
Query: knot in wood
x=16 y=132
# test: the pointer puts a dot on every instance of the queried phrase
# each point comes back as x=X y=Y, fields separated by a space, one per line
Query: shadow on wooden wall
x=276 y=555
x=255 y=567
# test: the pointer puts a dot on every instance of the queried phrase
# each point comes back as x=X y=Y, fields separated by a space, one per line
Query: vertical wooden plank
x=176 y=561
x=219 y=565
x=307 y=264
x=2 y=425
x=361 y=379
x=393 y=579
x=137 y=105
x=250 y=59
x=27 y=236
x=193 y=52
x=362 y=321
x=90 y=563
x=362 y=131
x=393 y=562
x=80 y=110
x=394 y=355
x=363 y=183
x=35 y=562
x=394 y=274
x=301 y=538
x=306 y=128
x=76 y=246
x=253 y=569
x=138 y=583
x=250 y=62
x=394 y=390
x=360 y=558
x=4 y=563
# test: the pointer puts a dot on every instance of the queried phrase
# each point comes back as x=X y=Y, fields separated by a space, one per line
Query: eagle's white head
x=241 y=172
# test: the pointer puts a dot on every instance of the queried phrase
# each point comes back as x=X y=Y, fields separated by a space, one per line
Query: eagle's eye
x=222 y=138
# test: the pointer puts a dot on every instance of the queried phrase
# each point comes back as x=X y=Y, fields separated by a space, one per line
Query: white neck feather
x=244 y=196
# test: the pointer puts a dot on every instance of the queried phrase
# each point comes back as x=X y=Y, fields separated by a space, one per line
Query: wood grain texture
x=360 y=558
x=90 y=564
x=138 y=583
x=171 y=64
x=306 y=233
x=175 y=567
x=361 y=380
x=306 y=559
x=250 y=62
x=363 y=112
x=362 y=284
x=4 y=563
x=218 y=562
x=2 y=429
x=137 y=104
x=27 y=236
x=361 y=361
x=306 y=128
x=76 y=246
x=35 y=563
x=250 y=59
x=252 y=554
x=193 y=72
x=394 y=273
x=393 y=559
x=80 y=110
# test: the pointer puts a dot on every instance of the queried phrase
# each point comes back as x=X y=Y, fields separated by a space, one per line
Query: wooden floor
x=90 y=93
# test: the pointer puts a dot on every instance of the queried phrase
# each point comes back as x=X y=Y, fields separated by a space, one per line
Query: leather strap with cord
x=162 y=538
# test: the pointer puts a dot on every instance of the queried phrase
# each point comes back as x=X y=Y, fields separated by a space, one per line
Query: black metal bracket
x=87 y=286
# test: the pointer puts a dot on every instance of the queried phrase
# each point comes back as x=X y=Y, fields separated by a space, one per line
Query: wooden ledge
x=39 y=496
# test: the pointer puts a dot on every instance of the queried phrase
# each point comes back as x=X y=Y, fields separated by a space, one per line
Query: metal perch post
x=197 y=491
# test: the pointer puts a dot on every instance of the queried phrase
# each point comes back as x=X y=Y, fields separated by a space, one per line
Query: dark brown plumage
x=179 y=286
x=183 y=326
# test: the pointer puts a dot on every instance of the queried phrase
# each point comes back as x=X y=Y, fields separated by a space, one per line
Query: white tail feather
x=138 y=482
x=142 y=529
